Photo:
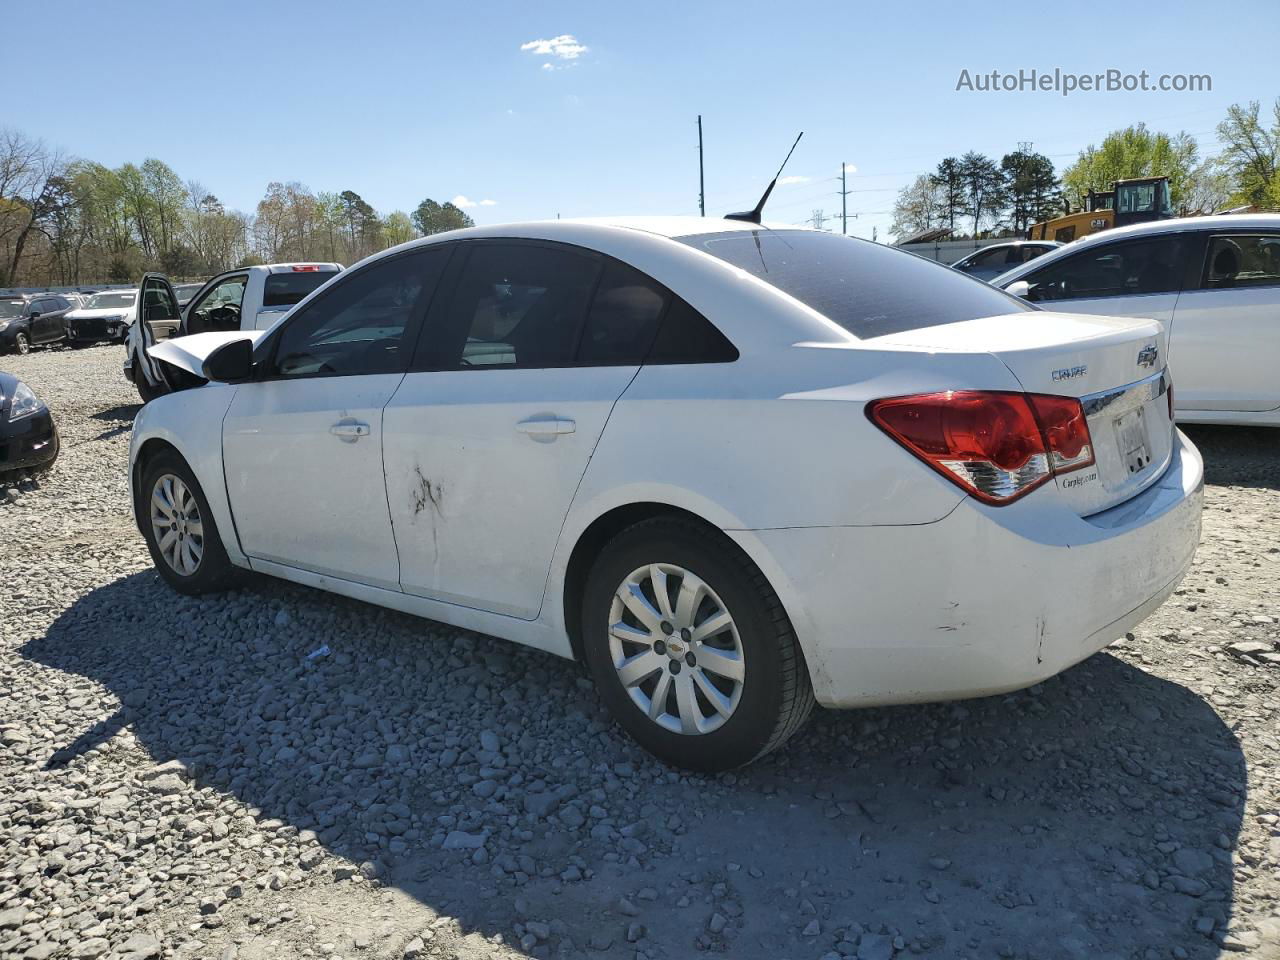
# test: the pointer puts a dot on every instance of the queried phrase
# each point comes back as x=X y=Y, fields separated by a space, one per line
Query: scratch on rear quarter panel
x=1039 y=639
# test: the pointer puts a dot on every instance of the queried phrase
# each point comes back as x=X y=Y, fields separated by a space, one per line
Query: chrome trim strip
x=1123 y=399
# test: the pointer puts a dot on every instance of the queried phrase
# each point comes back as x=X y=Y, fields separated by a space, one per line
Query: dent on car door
x=1226 y=327
x=303 y=443
x=515 y=376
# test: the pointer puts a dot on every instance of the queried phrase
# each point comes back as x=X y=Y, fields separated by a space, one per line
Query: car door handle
x=548 y=427
x=349 y=431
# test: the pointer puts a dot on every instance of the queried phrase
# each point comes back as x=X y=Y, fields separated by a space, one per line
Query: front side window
x=157 y=301
x=867 y=288
x=991 y=258
x=359 y=325
x=1243 y=261
x=219 y=309
x=1122 y=269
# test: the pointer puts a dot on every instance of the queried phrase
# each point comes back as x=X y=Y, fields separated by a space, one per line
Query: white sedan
x=734 y=469
x=1215 y=284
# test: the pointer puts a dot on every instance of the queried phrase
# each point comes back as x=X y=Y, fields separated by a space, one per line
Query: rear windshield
x=869 y=289
x=286 y=289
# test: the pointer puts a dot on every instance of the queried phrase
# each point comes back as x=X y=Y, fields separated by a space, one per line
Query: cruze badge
x=1147 y=355
x=1070 y=373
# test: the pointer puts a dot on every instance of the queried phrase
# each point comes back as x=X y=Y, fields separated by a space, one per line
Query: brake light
x=995 y=445
x=308 y=268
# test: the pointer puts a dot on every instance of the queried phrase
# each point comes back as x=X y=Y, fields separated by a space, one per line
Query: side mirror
x=230 y=363
x=1020 y=288
x=34 y=314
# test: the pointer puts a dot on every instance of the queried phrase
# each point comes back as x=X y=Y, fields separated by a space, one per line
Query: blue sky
x=400 y=101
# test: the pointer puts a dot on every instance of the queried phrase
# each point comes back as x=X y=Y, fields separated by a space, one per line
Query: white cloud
x=785 y=181
x=563 y=47
x=463 y=201
x=850 y=168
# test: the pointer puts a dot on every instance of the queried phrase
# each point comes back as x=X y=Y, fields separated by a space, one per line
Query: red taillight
x=308 y=268
x=998 y=446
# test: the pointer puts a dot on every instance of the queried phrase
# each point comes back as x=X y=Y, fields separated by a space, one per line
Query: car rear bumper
x=31 y=442
x=986 y=600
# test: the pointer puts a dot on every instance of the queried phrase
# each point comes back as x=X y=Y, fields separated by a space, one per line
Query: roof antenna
x=753 y=216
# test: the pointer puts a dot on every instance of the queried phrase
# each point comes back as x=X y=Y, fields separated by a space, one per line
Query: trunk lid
x=1115 y=365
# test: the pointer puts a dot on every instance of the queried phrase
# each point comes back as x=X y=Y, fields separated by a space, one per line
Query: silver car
x=989 y=262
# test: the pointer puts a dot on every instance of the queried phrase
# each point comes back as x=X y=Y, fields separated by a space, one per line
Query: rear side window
x=623 y=318
x=1243 y=261
x=1121 y=269
x=515 y=305
x=869 y=289
x=286 y=289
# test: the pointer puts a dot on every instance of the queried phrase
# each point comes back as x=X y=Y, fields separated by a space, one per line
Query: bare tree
x=31 y=188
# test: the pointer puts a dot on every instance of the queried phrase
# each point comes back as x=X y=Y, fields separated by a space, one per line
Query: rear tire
x=180 y=530
x=707 y=684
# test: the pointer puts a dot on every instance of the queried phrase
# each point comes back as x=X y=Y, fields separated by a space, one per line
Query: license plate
x=1131 y=434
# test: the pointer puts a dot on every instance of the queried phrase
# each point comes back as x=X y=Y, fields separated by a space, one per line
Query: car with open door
x=1214 y=282
x=733 y=469
x=245 y=299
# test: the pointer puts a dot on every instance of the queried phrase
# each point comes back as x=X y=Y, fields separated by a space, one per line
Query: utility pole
x=818 y=218
x=844 y=201
x=702 y=187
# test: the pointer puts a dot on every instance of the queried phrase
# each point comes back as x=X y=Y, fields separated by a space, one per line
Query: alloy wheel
x=22 y=344
x=176 y=524
x=676 y=649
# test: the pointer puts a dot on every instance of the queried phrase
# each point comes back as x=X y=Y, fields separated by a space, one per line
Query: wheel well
x=603 y=529
x=146 y=453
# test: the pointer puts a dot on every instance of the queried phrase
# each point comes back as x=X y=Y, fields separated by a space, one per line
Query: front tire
x=145 y=390
x=690 y=648
x=21 y=343
x=180 y=530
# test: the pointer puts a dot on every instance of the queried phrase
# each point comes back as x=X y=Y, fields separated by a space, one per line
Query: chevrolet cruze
x=734 y=469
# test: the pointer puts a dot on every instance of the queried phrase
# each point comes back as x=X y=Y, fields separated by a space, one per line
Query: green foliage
x=1030 y=188
x=1134 y=152
x=1251 y=154
x=431 y=217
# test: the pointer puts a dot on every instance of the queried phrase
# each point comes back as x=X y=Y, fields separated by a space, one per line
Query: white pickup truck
x=249 y=298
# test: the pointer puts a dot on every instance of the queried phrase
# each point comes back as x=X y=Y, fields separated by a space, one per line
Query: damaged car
x=248 y=298
x=735 y=469
x=104 y=316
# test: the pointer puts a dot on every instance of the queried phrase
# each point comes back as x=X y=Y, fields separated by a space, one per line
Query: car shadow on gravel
x=1091 y=816
x=1238 y=456
x=121 y=415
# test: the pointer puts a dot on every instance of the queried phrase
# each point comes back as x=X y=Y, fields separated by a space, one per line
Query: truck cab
x=248 y=298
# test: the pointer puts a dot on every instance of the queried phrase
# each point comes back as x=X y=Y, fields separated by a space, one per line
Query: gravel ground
x=179 y=778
